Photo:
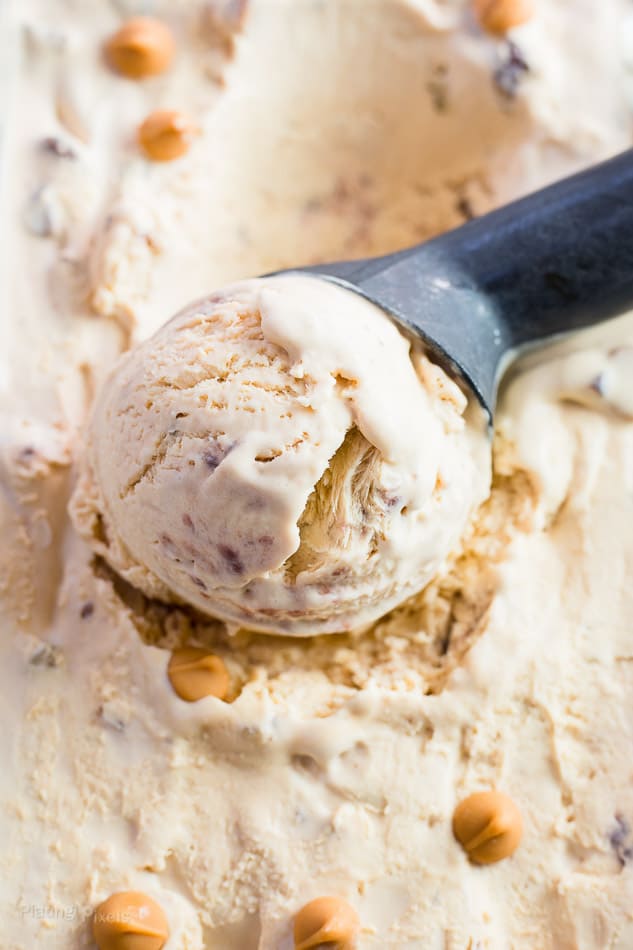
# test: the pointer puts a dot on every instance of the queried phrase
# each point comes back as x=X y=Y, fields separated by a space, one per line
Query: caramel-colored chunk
x=130 y=920
x=166 y=135
x=488 y=825
x=142 y=47
x=326 y=922
x=195 y=673
x=499 y=16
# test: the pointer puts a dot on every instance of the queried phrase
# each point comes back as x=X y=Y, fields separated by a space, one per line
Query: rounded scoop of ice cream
x=280 y=456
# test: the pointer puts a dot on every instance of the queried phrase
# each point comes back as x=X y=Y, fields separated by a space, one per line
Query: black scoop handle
x=558 y=260
x=555 y=261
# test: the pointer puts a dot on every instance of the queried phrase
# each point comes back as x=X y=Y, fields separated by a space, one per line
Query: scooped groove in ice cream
x=281 y=456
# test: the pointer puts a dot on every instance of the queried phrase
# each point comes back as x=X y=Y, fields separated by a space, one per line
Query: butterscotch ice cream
x=175 y=770
x=280 y=456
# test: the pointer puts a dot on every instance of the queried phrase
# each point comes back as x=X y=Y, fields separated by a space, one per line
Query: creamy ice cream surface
x=277 y=456
x=195 y=779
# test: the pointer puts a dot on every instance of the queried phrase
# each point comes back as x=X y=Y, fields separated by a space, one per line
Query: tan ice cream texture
x=281 y=456
x=336 y=763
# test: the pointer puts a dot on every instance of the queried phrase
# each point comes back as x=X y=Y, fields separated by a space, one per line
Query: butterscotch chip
x=166 y=135
x=142 y=47
x=195 y=673
x=326 y=922
x=130 y=920
x=499 y=16
x=488 y=825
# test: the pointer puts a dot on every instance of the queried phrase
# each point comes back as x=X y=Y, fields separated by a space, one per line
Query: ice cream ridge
x=279 y=455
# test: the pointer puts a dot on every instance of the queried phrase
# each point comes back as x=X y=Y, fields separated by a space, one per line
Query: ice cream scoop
x=284 y=455
x=556 y=261
x=280 y=455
